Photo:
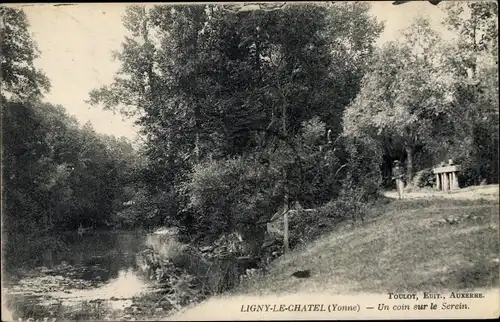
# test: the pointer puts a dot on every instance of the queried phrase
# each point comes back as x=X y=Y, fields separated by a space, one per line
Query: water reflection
x=74 y=269
x=125 y=286
x=100 y=255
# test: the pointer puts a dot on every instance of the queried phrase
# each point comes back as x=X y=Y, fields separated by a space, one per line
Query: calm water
x=95 y=266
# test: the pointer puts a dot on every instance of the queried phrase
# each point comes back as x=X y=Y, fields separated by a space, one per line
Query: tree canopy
x=405 y=92
x=19 y=76
x=211 y=84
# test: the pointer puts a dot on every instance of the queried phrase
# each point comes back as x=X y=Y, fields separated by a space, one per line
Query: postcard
x=219 y=161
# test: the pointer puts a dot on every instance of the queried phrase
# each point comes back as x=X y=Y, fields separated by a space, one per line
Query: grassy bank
x=405 y=245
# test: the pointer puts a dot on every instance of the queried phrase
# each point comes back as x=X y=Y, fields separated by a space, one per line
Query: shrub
x=308 y=224
x=363 y=177
x=167 y=249
x=424 y=178
x=319 y=163
x=353 y=187
x=232 y=195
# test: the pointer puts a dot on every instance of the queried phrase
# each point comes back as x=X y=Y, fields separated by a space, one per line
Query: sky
x=76 y=44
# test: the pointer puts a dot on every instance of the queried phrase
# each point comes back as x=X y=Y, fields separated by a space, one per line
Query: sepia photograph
x=328 y=160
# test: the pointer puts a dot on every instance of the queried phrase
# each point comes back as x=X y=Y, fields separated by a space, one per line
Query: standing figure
x=398 y=175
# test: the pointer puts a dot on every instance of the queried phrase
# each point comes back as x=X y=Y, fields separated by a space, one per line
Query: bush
x=181 y=283
x=166 y=248
x=184 y=274
x=354 y=186
x=232 y=196
x=363 y=176
x=308 y=224
x=424 y=178
x=319 y=163
x=179 y=266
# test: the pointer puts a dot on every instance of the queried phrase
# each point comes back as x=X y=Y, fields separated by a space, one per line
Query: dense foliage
x=474 y=139
x=425 y=105
x=59 y=175
x=225 y=99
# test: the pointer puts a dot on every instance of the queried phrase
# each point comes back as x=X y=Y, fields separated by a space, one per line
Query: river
x=93 y=276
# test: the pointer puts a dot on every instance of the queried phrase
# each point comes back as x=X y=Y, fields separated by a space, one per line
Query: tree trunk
x=195 y=89
x=409 y=165
x=197 y=145
x=197 y=130
x=286 y=245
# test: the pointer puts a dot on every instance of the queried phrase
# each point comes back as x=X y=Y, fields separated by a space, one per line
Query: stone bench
x=447 y=176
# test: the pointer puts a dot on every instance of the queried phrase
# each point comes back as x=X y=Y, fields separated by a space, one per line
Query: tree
x=18 y=51
x=75 y=175
x=475 y=68
x=405 y=91
x=209 y=84
x=476 y=24
x=22 y=143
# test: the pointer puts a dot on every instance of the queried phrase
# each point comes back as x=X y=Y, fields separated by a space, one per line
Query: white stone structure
x=447 y=176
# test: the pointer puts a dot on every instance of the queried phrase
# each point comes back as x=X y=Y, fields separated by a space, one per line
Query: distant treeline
x=59 y=175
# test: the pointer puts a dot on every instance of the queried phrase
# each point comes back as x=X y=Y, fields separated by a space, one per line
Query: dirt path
x=489 y=192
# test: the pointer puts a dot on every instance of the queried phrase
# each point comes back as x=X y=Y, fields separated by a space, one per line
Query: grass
x=403 y=245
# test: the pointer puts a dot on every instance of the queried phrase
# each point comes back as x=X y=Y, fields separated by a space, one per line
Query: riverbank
x=449 y=244
x=432 y=244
